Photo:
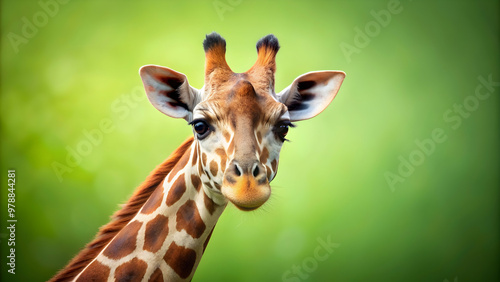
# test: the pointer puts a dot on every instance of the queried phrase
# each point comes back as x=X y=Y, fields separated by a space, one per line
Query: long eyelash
x=195 y=121
x=289 y=124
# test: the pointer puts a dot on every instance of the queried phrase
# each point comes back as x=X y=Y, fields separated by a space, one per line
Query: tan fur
x=215 y=62
x=261 y=74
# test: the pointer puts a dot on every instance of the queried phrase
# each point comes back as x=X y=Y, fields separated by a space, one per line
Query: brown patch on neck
x=209 y=204
x=176 y=190
x=208 y=184
x=196 y=181
x=157 y=276
x=217 y=186
x=189 y=219
x=95 y=272
x=180 y=259
x=123 y=216
x=125 y=242
x=154 y=201
x=156 y=232
x=131 y=271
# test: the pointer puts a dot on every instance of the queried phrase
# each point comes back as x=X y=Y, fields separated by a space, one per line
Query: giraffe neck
x=167 y=237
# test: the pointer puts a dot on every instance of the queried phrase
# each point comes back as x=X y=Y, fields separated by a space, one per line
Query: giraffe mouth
x=246 y=193
x=245 y=208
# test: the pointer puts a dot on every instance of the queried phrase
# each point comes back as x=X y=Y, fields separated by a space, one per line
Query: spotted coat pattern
x=239 y=125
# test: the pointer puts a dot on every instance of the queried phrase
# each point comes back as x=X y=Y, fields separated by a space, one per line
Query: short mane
x=121 y=217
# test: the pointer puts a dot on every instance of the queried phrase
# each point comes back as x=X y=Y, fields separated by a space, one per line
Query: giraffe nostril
x=237 y=170
x=256 y=171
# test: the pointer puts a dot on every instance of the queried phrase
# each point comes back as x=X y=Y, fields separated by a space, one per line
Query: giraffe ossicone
x=239 y=126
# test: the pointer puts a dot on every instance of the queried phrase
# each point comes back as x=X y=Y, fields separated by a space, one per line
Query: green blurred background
x=412 y=67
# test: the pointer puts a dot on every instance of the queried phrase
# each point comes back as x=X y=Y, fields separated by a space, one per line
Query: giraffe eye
x=201 y=128
x=281 y=129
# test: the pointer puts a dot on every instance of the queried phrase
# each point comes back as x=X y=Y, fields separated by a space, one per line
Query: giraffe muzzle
x=246 y=185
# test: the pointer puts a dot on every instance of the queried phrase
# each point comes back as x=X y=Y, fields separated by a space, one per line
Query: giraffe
x=239 y=126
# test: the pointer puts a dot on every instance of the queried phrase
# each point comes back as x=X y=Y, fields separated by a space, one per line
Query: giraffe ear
x=310 y=93
x=169 y=91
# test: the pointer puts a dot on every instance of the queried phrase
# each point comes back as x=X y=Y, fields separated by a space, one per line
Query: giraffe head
x=238 y=120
